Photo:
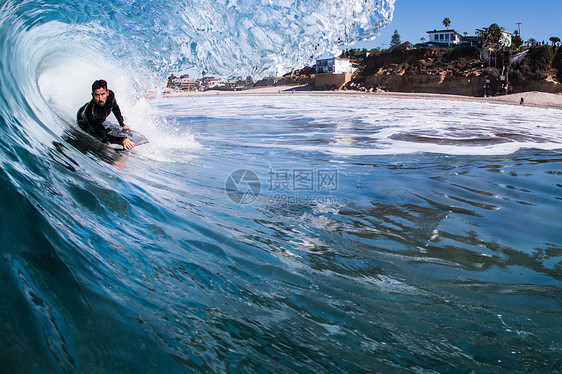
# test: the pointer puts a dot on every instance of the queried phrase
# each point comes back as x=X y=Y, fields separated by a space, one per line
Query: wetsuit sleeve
x=85 y=118
x=117 y=112
x=81 y=115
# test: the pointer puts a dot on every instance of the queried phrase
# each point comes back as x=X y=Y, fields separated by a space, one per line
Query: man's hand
x=127 y=144
x=126 y=127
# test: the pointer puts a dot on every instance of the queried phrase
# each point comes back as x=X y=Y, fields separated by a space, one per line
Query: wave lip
x=273 y=37
x=256 y=38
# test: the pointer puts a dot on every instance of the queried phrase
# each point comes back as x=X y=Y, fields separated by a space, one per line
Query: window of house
x=441 y=36
x=447 y=37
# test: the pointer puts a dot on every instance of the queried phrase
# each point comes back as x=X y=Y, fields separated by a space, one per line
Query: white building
x=211 y=82
x=506 y=39
x=445 y=37
x=334 y=65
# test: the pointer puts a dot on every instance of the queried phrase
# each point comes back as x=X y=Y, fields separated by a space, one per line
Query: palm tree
x=554 y=40
x=447 y=22
x=491 y=37
x=532 y=42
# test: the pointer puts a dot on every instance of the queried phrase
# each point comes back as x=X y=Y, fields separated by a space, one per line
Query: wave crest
x=256 y=38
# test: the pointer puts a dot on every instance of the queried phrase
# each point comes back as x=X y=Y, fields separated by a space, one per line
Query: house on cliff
x=448 y=39
x=444 y=38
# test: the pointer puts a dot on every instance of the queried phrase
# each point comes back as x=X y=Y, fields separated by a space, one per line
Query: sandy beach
x=532 y=99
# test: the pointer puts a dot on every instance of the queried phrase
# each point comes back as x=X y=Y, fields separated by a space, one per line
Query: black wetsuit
x=91 y=118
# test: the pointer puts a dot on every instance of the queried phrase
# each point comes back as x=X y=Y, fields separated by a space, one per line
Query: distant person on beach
x=92 y=115
x=522 y=102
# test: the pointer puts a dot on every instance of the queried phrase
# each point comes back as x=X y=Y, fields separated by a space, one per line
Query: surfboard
x=136 y=137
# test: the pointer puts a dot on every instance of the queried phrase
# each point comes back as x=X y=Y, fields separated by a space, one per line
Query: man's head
x=99 y=92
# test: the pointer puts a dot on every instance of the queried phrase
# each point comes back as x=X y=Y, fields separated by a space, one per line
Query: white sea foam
x=370 y=125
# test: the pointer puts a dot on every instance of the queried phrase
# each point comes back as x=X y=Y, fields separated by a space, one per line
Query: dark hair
x=99 y=84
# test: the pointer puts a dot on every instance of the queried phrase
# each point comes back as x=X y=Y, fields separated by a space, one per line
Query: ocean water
x=281 y=233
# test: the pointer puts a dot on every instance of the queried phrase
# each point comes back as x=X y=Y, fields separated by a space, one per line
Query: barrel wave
x=280 y=233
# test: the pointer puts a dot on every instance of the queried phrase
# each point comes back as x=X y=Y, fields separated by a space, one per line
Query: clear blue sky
x=412 y=18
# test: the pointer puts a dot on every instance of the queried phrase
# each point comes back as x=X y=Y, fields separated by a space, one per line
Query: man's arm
x=117 y=113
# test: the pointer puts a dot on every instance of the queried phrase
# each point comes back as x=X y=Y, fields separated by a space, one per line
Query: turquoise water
x=343 y=256
x=282 y=233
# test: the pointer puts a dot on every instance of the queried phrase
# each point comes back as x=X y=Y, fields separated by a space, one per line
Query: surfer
x=92 y=115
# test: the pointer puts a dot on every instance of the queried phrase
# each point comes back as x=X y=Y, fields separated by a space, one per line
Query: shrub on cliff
x=538 y=59
x=557 y=64
x=461 y=52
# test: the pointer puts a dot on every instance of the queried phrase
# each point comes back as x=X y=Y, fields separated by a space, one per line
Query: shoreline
x=534 y=99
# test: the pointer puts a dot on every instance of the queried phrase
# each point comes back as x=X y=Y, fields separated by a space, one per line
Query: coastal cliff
x=460 y=71
x=427 y=70
x=303 y=76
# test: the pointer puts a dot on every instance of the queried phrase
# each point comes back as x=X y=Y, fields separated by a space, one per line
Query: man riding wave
x=92 y=115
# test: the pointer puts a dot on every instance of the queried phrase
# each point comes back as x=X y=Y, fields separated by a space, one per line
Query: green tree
x=516 y=42
x=554 y=40
x=491 y=37
x=395 y=40
x=447 y=22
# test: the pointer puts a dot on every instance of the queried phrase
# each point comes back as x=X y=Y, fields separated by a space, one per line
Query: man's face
x=100 y=95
